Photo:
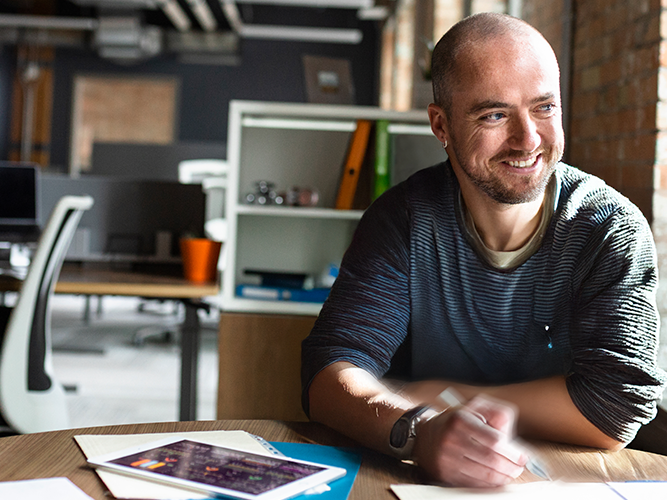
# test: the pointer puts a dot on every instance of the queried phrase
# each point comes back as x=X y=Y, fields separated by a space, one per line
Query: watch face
x=399 y=433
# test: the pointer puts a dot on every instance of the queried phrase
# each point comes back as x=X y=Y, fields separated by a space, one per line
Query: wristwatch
x=404 y=431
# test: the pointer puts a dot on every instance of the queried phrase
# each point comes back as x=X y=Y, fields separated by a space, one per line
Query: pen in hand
x=451 y=399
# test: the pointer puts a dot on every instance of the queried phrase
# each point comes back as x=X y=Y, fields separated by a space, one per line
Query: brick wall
x=614 y=88
x=659 y=223
x=546 y=17
x=615 y=94
x=618 y=107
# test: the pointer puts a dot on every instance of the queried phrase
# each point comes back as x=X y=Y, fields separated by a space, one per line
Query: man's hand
x=471 y=445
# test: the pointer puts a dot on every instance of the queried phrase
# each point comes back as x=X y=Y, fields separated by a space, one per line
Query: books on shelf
x=262 y=292
x=382 y=180
x=353 y=163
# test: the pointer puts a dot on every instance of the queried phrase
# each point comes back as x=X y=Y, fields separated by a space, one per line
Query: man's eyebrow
x=486 y=105
x=549 y=96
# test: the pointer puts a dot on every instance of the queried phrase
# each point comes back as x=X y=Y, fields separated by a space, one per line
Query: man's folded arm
x=545 y=409
x=355 y=403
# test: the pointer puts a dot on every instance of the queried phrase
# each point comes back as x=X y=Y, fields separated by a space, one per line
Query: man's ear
x=438 y=119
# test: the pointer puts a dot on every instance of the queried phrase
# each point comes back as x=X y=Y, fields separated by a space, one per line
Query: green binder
x=382 y=158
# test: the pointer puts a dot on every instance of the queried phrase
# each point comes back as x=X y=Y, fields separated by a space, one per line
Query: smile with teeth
x=522 y=163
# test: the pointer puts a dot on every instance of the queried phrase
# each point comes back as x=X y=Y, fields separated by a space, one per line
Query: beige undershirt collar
x=508 y=260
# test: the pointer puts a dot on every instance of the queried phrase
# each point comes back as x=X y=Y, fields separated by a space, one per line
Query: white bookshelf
x=302 y=145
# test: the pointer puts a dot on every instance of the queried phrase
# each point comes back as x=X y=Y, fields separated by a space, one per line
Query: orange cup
x=200 y=259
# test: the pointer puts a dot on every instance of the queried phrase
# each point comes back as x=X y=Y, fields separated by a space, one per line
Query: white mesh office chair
x=31 y=400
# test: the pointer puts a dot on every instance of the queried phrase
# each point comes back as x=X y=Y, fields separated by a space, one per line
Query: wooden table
x=55 y=454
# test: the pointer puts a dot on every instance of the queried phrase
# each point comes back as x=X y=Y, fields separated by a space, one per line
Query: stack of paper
x=544 y=490
x=53 y=488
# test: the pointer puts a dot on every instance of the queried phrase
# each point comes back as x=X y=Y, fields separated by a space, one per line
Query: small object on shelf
x=328 y=275
x=302 y=197
x=282 y=279
x=264 y=195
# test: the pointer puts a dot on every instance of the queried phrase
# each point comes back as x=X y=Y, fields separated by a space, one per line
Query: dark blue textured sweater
x=413 y=296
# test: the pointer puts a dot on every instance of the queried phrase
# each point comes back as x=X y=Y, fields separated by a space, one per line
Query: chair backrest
x=31 y=400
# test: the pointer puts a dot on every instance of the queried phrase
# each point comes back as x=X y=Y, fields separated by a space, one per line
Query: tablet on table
x=218 y=470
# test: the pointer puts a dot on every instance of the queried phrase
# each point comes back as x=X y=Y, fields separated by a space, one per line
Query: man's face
x=505 y=124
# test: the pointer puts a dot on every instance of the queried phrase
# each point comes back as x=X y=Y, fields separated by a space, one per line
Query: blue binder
x=328 y=455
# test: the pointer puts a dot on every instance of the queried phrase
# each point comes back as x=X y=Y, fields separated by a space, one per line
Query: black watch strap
x=403 y=432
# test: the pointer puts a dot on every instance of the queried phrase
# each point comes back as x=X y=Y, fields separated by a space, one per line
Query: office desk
x=55 y=454
x=81 y=281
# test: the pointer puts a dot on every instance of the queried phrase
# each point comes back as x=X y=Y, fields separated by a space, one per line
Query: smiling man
x=524 y=284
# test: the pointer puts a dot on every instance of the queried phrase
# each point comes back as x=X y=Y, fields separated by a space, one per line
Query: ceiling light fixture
x=293 y=33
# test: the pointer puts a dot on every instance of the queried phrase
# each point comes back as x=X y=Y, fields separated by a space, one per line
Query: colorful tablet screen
x=220 y=467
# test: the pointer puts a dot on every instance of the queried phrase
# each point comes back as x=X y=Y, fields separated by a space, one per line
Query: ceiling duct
x=219 y=48
x=124 y=39
x=171 y=9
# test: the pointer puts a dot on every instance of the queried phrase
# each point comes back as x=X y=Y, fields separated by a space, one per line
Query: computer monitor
x=19 y=202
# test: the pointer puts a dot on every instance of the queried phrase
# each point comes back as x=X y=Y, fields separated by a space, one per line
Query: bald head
x=468 y=37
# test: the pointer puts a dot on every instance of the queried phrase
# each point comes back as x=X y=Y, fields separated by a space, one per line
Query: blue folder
x=327 y=455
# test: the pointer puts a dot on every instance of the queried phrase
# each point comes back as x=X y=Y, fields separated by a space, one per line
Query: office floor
x=117 y=382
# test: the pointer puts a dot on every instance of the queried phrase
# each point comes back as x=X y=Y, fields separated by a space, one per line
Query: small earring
x=444 y=144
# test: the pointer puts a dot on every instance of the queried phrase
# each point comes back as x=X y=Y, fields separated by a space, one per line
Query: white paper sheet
x=543 y=490
x=635 y=490
x=53 y=488
x=129 y=487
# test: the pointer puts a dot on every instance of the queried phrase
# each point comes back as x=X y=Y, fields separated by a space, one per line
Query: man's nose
x=524 y=134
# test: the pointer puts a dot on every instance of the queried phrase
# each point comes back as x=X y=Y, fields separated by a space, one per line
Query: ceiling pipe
x=203 y=14
x=176 y=15
x=338 y=4
x=48 y=22
x=301 y=34
x=293 y=33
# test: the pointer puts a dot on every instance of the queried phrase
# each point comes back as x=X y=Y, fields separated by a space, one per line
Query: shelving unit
x=301 y=145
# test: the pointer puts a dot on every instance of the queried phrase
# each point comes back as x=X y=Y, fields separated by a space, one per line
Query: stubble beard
x=498 y=189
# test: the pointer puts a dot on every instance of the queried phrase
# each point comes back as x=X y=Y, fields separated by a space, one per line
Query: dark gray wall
x=149 y=161
x=135 y=209
x=269 y=71
x=6 y=74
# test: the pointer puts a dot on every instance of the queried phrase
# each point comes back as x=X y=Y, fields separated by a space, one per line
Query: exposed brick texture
x=616 y=56
x=618 y=103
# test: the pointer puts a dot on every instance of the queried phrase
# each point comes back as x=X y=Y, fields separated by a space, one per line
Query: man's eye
x=547 y=107
x=493 y=117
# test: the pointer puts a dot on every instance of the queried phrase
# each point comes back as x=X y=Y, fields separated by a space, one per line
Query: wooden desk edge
x=162 y=290
x=33 y=455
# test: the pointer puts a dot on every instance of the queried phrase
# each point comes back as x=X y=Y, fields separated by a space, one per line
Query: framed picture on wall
x=328 y=80
x=117 y=109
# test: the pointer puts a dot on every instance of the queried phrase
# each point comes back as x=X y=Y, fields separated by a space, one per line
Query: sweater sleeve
x=365 y=318
x=615 y=381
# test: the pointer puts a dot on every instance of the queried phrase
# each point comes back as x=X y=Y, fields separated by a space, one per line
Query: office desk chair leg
x=164 y=333
x=5 y=312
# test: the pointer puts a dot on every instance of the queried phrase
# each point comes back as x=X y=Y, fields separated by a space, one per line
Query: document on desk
x=128 y=487
x=544 y=490
x=53 y=488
